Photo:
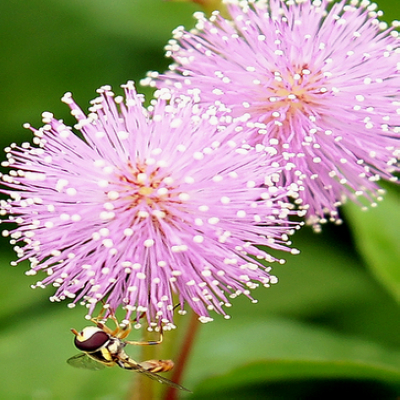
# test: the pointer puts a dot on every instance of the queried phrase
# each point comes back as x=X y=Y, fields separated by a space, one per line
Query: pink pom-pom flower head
x=144 y=203
x=317 y=79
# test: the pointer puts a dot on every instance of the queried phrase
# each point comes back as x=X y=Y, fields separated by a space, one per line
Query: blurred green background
x=331 y=325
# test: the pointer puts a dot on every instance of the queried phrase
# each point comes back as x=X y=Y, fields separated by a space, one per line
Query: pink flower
x=145 y=203
x=318 y=80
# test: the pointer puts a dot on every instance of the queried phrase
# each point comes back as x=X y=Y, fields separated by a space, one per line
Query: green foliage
x=330 y=324
x=376 y=236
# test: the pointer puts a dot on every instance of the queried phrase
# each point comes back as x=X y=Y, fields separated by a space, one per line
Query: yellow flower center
x=292 y=93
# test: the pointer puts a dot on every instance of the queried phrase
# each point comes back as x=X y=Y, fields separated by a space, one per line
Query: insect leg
x=146 y=343
x=100 y=321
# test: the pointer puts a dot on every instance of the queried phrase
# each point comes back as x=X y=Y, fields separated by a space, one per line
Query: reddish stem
x=187 y=345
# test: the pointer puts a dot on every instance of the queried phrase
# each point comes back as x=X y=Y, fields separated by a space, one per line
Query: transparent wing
x=159 y=378
x=82 y=360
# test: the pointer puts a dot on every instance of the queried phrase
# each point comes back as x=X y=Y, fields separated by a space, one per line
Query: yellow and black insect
x=102 y=346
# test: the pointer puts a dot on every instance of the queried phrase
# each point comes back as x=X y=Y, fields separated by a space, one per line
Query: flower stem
x=209 y=6
x=142 y=387
x=181 y=362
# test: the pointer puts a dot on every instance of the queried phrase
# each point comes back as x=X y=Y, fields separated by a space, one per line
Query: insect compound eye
x=92 y=342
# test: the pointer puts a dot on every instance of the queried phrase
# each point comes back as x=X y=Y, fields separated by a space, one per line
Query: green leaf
x=150 y=20
x=326 y=283
x=49 y=47
x=34 y=350
x=376 y=234
x=325 y=275
x=249 y=382
x=15 y=289
x=282 y=349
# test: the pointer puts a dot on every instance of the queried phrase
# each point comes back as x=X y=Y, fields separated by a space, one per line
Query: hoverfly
x=102 y=346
